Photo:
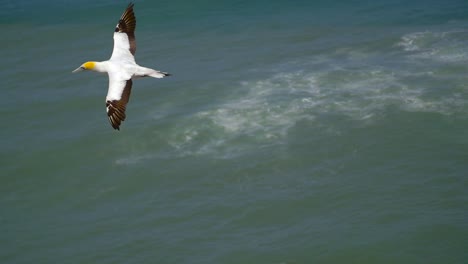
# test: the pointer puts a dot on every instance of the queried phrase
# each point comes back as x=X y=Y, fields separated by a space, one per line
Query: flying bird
x=121 y=68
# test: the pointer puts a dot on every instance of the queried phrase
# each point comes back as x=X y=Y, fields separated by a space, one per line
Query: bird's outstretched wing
x=124 y=36
x=116 y=100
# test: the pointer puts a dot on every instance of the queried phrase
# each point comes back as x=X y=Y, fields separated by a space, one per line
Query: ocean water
x=289 y=132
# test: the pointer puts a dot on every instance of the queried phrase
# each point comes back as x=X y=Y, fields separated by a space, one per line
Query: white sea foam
x=133 y=159
x=414 y=41
x=269 y=108
x=265 y=112
x=448 y=46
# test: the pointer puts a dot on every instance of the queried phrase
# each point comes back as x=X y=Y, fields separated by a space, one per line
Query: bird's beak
x=78 y=69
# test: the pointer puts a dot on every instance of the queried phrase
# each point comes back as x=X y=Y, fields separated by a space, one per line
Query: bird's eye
x=82 y=67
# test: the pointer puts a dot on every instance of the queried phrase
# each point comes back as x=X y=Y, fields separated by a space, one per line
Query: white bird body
x=121 y=68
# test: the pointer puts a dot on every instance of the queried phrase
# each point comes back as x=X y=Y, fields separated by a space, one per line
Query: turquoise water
x=289 y=132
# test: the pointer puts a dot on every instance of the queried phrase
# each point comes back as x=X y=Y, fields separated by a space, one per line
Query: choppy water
x=290 y=132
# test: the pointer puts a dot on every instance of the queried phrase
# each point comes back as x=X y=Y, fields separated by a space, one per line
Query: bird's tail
x=158 y=74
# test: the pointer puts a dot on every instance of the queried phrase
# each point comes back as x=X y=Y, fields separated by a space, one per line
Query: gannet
x=121 y=68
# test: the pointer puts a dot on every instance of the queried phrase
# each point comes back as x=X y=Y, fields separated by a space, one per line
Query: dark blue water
x=289 y=132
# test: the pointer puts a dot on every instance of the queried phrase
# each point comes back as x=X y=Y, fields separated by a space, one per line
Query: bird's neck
x=100 y=66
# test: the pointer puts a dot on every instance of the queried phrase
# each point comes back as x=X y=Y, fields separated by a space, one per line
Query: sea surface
x=289 y=132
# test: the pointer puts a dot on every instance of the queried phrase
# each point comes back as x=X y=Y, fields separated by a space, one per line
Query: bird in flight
x=121 y=68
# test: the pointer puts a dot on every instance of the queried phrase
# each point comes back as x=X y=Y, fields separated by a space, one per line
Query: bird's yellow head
x=89 y=65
